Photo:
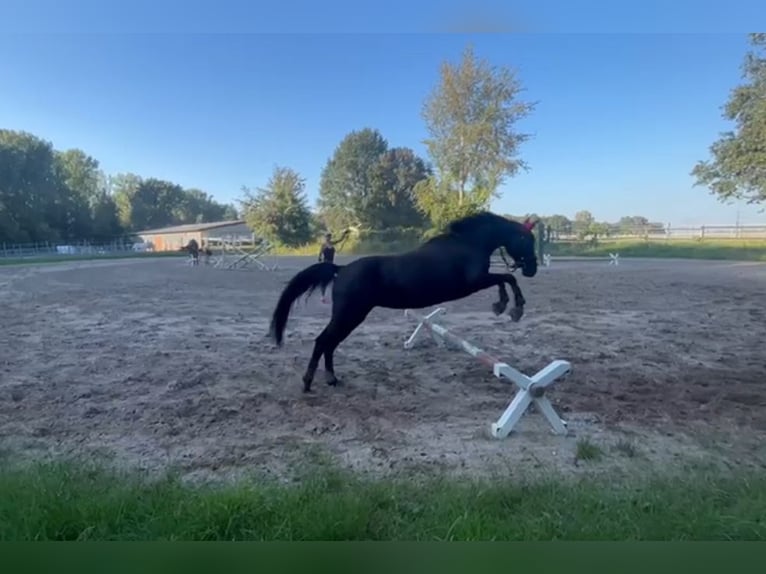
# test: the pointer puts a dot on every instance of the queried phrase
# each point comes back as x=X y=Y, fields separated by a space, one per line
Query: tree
x=81 y=175
x=392 y=182
x=344 y=186
x=366 y=184
x=153 y=203
x=633 y=225
x=125 y=187
x=47 y=195
x=31 y=189
x=584 y=223
x=555 y=225
x=197 y=206
x=583 y=218
x=106 y=224
x=279 y=211
x=737 y=169
x=473 y=143
x=149 y=203
x=230 y=212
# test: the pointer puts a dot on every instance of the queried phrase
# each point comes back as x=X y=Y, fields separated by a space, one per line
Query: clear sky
x=621 y=117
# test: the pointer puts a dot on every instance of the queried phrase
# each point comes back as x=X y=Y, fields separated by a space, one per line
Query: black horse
x=450 y=266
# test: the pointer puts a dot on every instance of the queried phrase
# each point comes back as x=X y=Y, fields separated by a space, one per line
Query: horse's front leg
x=518 y=299
x=499 y=306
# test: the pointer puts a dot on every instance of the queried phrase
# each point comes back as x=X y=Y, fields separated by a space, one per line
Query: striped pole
x=531 y=389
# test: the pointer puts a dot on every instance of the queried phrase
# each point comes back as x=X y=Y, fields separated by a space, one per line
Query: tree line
x=384 y=191
x=585 y=226
x=389 y=193
x=63 y=196
x=473 y=147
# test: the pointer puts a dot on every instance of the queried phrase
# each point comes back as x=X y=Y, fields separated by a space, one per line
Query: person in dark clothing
x=193 y=248
x=327 y=253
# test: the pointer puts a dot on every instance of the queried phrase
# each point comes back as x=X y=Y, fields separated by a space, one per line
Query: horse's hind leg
x=337 y=333
x=343 y=322
x=308 y=376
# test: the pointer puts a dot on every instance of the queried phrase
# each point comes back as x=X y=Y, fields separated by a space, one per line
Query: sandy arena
x=155 y=364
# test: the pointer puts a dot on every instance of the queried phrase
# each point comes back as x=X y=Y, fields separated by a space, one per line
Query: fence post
x=540 y=240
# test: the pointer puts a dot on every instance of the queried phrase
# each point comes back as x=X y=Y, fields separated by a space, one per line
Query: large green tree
x=197 y=206
x=393 y=178
x=82 y=177
x=367 y=184
x=47 y=195
x=737 y=169
x=148 y=203
x=153 y=203
x=31 y=189
x=633 y=224
x=105 y=225
x=473 y=142
x=279 y=211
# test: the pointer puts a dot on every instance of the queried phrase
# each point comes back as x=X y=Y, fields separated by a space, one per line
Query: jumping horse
x=447 y=267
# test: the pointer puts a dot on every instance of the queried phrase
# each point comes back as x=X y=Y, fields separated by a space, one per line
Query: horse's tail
x=317 y=275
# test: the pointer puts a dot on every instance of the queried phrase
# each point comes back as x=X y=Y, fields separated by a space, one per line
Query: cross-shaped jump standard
x=531 y=389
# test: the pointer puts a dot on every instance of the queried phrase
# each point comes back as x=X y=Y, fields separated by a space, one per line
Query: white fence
x=756 y=231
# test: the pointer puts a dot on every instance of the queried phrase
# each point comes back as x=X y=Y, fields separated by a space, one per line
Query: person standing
x=327 y=253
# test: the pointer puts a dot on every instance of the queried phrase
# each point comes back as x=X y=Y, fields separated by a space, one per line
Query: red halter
x=528 y=225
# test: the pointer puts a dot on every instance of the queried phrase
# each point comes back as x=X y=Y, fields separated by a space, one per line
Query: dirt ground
x=156 y=364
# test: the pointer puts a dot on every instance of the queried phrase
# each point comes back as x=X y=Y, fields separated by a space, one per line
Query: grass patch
x=706 y=249
x=587 y=450
x=733 y=250
x=63 y=502
x=47 y=260
x=626 y=448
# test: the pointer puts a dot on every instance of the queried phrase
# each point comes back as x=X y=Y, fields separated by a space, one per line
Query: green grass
x=735 y=250
x=587 y=450
x=706 y=249
x=46 y=260
x=627 y=448
x=63 y=502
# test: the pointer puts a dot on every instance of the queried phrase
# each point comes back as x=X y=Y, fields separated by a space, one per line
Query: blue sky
x=621 y=117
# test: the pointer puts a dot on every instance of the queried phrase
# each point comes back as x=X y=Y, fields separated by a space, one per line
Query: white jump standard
x=614 y=259
x=531 y=389
x=236 y=254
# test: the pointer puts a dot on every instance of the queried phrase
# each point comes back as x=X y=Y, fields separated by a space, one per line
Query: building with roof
x=173 y=238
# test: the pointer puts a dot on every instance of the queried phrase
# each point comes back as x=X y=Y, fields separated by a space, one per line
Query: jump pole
x=614 y=259
x=531 y=389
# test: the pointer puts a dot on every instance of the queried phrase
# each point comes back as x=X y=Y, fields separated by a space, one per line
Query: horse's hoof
x=498 y=307
x=516 y=314
x=333 y=382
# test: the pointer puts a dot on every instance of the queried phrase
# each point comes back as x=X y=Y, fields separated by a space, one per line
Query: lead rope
x=510 y=267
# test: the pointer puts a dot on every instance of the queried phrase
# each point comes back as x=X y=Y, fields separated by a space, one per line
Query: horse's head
x=488 y=231
x=520 y=245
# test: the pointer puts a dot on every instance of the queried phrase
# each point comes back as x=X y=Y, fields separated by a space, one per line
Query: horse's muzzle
x=529 y=269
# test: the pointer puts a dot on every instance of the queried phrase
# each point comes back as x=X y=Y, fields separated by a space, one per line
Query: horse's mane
x=471 y=223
